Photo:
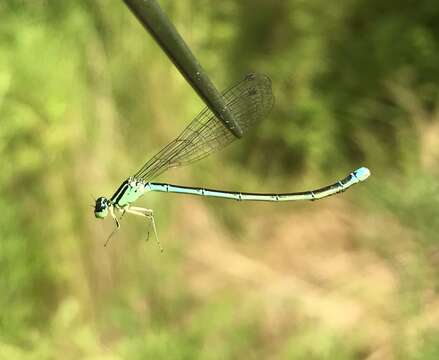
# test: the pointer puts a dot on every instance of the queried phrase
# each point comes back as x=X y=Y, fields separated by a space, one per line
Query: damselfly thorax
x=128 y=192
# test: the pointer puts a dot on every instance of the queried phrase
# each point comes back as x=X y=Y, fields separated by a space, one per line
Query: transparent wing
x=249 y=101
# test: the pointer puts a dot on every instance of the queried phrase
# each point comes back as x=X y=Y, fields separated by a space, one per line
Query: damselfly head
x=101 y=207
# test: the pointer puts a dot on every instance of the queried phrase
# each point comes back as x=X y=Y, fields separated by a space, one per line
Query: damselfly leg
x=149 y=215
x=113 y=215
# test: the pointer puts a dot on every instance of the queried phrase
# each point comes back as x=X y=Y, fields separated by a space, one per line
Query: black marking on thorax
x=120 y=192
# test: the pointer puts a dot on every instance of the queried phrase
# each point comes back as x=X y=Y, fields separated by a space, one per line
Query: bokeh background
x=86 y=97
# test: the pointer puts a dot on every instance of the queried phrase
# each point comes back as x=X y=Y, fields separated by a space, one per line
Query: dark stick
x=153 y=18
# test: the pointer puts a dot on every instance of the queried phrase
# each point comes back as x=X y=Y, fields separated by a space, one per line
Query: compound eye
x=101 y=208
x=101 y=203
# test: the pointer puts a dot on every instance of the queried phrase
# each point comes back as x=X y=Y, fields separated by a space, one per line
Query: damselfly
x=249 y=101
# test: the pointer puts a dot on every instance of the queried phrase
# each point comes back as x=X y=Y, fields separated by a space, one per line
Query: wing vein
x=249 y=101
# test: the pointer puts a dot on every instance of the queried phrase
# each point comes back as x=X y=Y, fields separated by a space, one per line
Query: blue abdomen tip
x=362 y=173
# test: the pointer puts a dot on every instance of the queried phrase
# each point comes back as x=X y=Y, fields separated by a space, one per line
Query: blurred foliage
x=82 y=88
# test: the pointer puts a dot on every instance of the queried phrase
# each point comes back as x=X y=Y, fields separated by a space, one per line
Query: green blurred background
x=86 y=97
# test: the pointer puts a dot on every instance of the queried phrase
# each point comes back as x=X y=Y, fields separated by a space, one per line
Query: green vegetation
x=86 y=97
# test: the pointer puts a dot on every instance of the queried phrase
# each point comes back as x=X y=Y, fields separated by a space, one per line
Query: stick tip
x=362 y=173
